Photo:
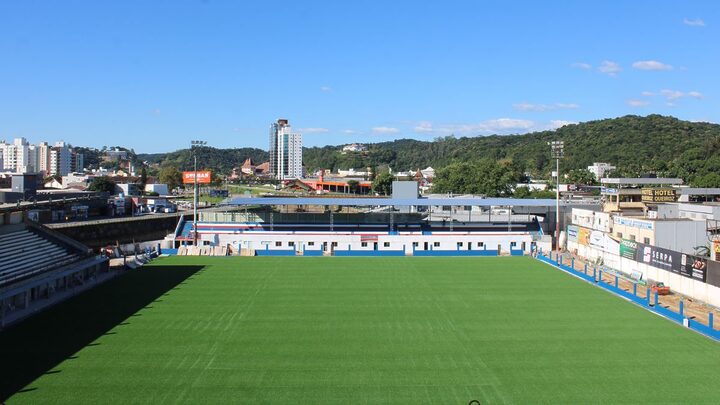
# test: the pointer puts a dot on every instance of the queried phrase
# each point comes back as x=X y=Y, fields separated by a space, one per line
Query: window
x=513 y=244
x=632 y=237
x=415 y=244
x=386 y=244
x=291 y=243
x=619 y=234
x=646 y=241
x=278 y=243
x=363 y=244
x=481 y=244
x=311 y=243
x=459 y=244
x=436 y=244
x=334 y=244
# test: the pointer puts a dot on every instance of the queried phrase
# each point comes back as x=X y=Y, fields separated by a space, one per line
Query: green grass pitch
x=353 y=330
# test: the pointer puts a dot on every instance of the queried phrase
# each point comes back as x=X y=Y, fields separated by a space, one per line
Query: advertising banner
x=629 y=250
x=661 y=258
x=583 y=236
x=635 y=223
x=694 y=267
x=572 y=232
x=202 y=177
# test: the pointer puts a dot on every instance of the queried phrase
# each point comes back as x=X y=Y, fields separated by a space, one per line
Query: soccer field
x=353 y=330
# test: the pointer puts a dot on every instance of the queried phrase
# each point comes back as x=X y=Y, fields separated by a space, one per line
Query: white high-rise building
x=15 y=156
x=60 y=159
x=285 y=151
x=43 y=157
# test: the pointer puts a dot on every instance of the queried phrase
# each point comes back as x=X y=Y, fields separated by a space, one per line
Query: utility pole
x=557 y=153
x=193 y=146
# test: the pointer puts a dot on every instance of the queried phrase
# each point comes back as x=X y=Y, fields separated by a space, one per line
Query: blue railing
x=650 y=302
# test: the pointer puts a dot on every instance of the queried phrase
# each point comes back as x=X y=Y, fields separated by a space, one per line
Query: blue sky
x=152 y=75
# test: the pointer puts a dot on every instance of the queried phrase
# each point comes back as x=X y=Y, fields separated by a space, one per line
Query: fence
x=650 y=302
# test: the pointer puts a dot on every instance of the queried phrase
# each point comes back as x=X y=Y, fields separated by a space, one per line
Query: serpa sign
x=202 y=177
x=658 y=195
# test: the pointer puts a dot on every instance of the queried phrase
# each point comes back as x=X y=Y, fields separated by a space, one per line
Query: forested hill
x=636 y=145
x=219 y=160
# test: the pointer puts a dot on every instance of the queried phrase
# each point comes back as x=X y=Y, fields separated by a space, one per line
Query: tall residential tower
x=285 y=151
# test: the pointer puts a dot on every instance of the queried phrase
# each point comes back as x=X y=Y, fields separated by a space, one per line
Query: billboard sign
x=655 y=195
x=661 y=258
x=572 y=231
x=203 y=177
x=629 y=249
x=583 y=236
x=635 y=223
x=694 y=267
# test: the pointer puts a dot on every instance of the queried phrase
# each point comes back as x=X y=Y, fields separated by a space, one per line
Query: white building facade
x=599 y=169
x=285 y=151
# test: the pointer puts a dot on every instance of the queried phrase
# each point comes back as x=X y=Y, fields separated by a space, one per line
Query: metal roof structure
x=375 y=201
x=629 y=181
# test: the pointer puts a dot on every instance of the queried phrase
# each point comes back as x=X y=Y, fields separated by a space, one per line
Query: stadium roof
x=374 y=201
x=631 y=181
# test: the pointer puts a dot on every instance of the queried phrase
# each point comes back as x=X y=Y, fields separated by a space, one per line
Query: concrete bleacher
x=25 y=253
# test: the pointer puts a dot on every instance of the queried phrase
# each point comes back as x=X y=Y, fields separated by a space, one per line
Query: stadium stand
x=39 y=267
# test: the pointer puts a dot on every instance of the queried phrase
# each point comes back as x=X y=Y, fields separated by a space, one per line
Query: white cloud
x=385 y=130
x=424 y=126
x=156 y=111
x=543 y=107
x=349 y=131
x=313 y=130
x=502 y=126
x=651 y=65
x=582 y=65
x=637 y=103
x=326 y=89
x=555 y=124
x=672 y=95
x=694 y=22
x=609 y=68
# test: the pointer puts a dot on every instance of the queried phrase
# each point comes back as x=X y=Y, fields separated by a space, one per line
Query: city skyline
x=108 y=74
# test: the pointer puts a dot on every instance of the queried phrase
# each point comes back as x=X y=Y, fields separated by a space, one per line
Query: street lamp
x=557 y=153
x=193 y=145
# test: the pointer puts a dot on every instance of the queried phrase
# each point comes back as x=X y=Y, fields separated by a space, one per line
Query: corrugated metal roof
x=374 y=201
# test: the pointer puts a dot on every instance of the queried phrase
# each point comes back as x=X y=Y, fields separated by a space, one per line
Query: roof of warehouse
x=373 y=201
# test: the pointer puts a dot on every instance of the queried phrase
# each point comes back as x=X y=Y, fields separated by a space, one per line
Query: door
x=375 y=246
x=499 y=249
x=426 y=246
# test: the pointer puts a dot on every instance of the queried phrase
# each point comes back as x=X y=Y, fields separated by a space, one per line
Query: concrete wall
x=445 y=241
x=684 y=285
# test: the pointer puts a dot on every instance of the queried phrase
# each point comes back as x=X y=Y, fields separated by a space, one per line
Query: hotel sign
x=655 y=195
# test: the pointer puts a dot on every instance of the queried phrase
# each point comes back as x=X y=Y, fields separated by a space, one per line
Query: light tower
x=557 y=149
x=194 y=146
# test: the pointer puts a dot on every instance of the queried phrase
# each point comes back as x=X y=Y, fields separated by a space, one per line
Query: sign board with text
x=655 y=195
x=203 y=177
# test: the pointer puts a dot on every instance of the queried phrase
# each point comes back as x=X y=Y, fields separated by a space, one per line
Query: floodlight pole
x=557 y=207
x=557 y=148
x=194 y=144
x=195 y=201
